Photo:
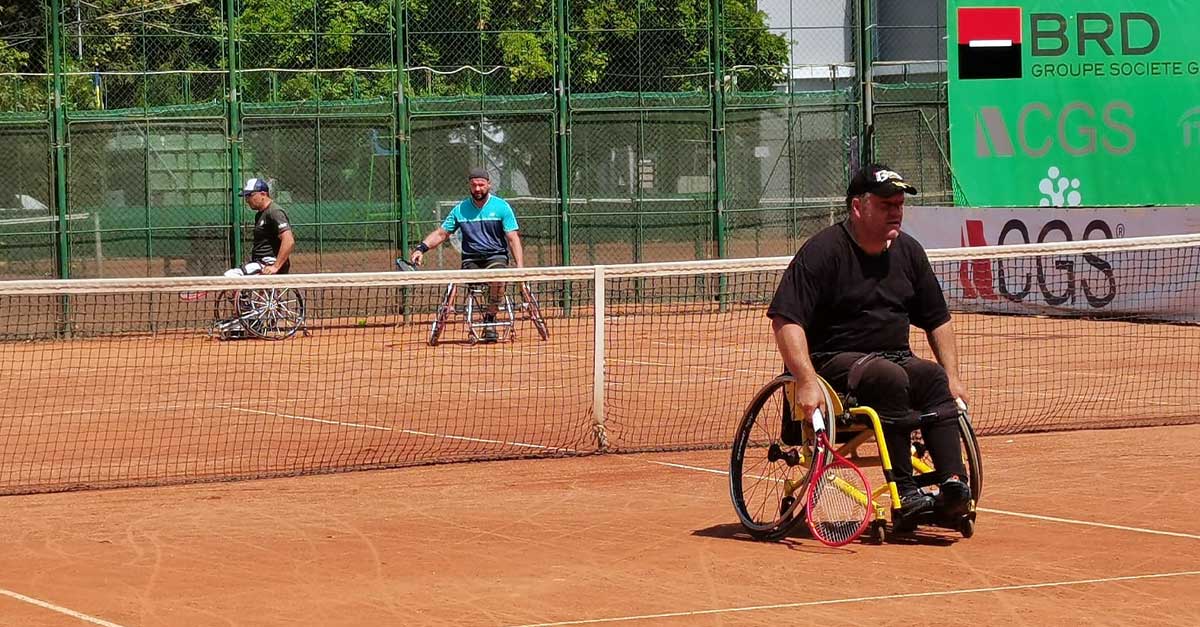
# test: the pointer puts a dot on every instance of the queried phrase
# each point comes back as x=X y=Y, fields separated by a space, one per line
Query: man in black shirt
x=273 y=239
x=851 y=291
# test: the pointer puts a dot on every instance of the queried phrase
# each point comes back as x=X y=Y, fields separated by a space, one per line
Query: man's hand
x=958 y=390
x=809 y=397
x=416 y=257
x=271 y=269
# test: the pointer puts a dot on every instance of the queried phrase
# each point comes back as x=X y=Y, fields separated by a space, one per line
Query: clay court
x=1094 y=526
x=646 y=539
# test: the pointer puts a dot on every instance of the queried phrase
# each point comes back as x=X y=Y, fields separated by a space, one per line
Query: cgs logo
x=1057 y=285
x=1075 y=129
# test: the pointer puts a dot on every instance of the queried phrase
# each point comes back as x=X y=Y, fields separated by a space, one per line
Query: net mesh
x=115 y=382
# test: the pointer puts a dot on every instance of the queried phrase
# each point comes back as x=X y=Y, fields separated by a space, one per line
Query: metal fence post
x=718 y=125
x=562 y=117
x=59 y=129
x=234 y=120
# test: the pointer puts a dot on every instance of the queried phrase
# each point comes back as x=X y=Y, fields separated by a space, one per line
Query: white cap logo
x=883 y=176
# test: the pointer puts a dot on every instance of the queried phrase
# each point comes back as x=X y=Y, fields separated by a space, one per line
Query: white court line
x=306 y=418
x=1077 y=397
x=636 y=362
x=102 y=410
x=726 y=349
x=968 y=366
x=57 y=608
x=462 y=437
x=879 y=597
x=669 y=382
x=529 y=388
x=1152 y=376
x=1069 y=521
x=444 y=436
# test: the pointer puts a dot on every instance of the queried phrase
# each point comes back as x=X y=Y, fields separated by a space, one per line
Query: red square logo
x=989 y=42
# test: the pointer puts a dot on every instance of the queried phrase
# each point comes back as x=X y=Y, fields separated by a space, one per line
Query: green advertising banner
x=1086 y=103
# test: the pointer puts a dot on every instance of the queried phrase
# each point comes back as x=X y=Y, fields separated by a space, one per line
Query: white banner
x=1161 y=284
x=1140 y=285
x=953 y=227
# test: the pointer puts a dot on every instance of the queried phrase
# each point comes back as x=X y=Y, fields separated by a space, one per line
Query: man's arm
x=514 y=246
x=287 y=242
x=945 y=349
x=435 y=238
x=793 y=347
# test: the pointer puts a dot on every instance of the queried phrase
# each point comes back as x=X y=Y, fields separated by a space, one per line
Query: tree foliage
x=451 y=47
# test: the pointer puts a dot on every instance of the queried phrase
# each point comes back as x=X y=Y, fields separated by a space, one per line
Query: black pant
x=901 y=388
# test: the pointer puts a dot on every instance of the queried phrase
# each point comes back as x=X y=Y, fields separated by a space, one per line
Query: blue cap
x=255 y=185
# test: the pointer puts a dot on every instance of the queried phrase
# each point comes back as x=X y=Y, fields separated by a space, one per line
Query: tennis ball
x=362 y=322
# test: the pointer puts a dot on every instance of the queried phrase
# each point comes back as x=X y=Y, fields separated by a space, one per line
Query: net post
x=598 y=359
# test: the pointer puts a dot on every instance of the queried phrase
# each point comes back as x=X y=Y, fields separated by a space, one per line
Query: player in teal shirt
x=489 y=232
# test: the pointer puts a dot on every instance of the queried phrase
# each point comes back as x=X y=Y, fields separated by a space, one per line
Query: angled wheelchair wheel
x=271 y=313
x=226 y=323
x=971 y=456
x=770 y=463
x=534 y=310
x=442 y=316
x=223 y=306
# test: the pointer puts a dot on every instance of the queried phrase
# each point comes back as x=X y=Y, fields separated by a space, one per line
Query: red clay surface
x=602 y=539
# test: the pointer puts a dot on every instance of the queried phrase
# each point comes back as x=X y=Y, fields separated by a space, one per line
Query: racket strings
x=840 y=504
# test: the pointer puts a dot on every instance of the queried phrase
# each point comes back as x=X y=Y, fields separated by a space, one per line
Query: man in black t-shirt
x=851 y=291
x=273 y=239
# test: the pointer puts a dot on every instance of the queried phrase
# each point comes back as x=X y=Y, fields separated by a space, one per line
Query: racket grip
x=962 y=406
x=818 y=420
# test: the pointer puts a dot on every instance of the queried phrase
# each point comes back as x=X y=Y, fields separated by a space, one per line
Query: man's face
x=258 y=201
x=879 y=217
x=480 y=188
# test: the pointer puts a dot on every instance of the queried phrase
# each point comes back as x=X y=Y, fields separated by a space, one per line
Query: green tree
x=472 y=47
x=319 y=35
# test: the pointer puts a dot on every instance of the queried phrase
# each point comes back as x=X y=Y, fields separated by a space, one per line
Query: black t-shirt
x=269 y=224
x=847 y=300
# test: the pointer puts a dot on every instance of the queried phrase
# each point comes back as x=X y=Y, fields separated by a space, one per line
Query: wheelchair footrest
x=229 y=330
x=964 y=523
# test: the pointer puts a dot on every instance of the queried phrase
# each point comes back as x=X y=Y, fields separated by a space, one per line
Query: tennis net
x=116 y=382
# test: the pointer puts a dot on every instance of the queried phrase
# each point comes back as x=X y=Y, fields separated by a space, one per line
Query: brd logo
x=990 y=38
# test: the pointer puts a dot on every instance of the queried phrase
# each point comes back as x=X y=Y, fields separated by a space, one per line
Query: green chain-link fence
x=620 y=130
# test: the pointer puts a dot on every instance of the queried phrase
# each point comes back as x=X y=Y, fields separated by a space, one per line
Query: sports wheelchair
x=768 y=477
x=473 y=307
x=267 y=313
x=271 y=313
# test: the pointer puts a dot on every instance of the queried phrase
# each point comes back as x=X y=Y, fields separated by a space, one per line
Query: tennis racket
x=839 y=497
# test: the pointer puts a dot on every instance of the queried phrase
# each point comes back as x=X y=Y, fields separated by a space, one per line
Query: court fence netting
x=115 y=382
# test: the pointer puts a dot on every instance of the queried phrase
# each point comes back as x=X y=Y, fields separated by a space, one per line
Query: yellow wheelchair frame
x=850 y=429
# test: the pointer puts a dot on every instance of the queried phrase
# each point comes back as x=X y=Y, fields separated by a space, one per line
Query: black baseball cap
x=879 y=180
x=478 y=173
